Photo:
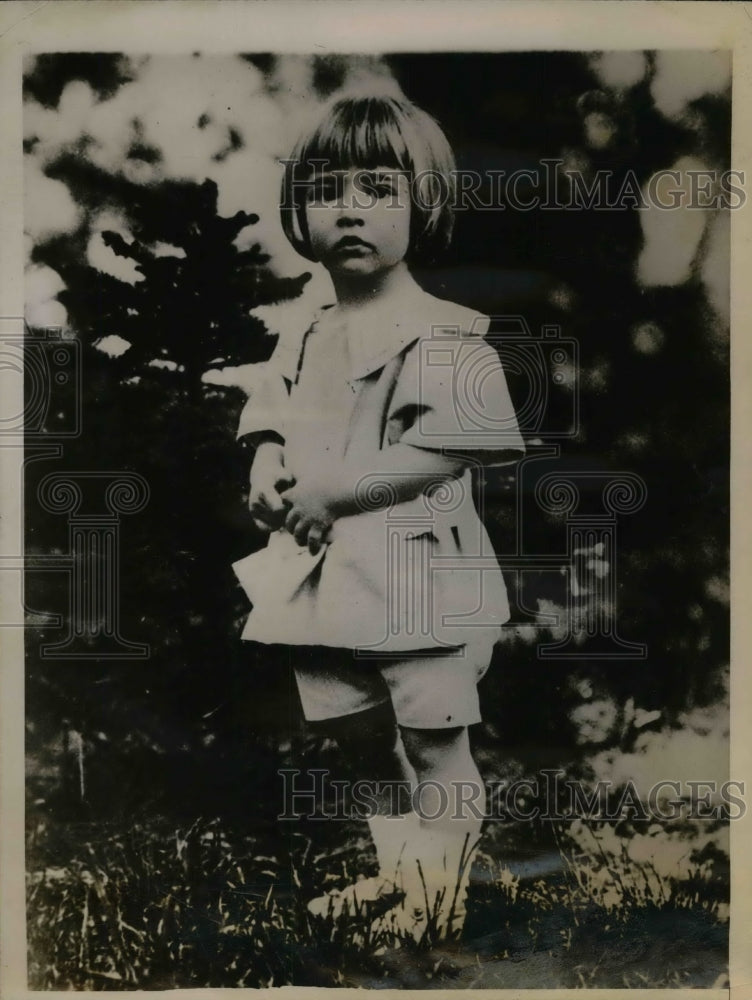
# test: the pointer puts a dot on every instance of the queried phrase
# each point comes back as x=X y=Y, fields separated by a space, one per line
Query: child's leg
x=451 y=804
x=373 y=751
x=348 y=700
x=372 y=745
x=452 y=795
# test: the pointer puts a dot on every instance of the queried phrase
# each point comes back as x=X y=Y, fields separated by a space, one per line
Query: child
x=365 y=432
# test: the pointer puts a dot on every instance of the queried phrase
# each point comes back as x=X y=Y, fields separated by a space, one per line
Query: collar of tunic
x=378 y=333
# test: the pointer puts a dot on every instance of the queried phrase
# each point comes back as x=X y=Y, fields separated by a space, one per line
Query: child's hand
x=269 y=478
x=310 y=514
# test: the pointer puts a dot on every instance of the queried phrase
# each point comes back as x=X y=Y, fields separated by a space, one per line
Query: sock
x=437 y=872
x=391 y=837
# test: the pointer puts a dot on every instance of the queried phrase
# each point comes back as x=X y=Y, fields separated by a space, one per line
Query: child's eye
x=378 y=186
x=324 y=189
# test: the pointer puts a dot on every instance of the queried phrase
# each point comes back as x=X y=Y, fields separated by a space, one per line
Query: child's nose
x=352 y=202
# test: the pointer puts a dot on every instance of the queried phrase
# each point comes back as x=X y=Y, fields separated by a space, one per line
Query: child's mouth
x=349 y=244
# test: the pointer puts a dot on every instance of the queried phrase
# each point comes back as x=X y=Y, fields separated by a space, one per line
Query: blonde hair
x=366 y=132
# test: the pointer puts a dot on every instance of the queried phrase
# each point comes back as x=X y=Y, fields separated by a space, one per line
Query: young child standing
x=378 y=569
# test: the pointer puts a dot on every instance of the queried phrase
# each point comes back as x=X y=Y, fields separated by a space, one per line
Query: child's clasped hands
x=305 y=509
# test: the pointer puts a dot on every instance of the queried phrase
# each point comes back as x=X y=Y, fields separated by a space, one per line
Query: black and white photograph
x=370 y=605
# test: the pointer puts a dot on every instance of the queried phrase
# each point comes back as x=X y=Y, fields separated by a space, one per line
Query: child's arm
x=405 y=471
x=268 y=478
x=402 y=471
x=261 y=431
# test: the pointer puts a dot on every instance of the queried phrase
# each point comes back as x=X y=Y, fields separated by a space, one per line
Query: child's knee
x=435 y=749
x=369 y=734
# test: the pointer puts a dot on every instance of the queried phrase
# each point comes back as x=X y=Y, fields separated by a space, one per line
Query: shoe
x=375 y=895
x=433 y=907
x=400 y=923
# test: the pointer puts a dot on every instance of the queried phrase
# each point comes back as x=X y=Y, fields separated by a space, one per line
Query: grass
x=149 y=906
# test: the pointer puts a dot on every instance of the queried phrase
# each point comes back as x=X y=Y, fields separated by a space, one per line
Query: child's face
x=359 y=220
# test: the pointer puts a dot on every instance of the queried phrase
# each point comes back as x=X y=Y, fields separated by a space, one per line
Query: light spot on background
x=681 y=77
x=648 y=338
x=715 y=265
x=696 y=750
x=671 y=235
x=167 y=250
x=103 y=257
x=41 y=286
x=620 y=69
x=49 y=208
x=113 y=345
x=600 y=130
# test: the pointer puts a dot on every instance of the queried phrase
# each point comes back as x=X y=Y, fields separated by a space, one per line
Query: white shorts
x=428 y=689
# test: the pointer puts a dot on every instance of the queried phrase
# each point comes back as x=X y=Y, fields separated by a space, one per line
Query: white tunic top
x=416 y=370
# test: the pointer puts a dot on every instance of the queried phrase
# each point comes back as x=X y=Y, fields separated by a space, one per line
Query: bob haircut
x=365 y=132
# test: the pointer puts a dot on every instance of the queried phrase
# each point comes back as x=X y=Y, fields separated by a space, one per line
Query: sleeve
x=452 y=396
x=265 y=412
